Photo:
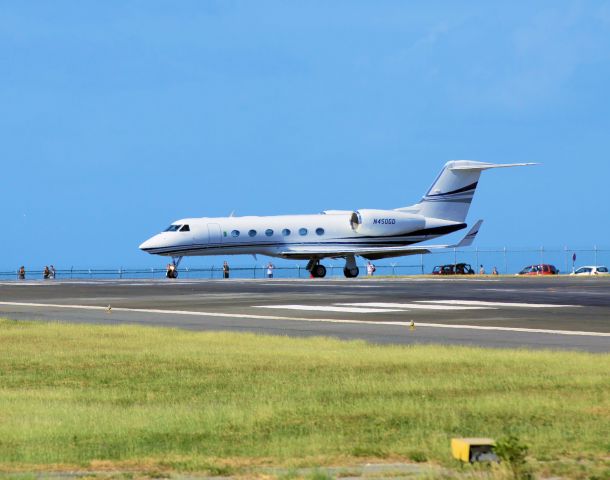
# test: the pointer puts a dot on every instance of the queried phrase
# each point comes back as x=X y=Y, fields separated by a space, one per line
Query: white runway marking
x=326 y=308
x=495 y=304
x=416 y=306
x=313 y=320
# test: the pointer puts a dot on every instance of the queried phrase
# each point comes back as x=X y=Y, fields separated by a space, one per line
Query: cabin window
x=286 y=232
x=268 y=232
x=235 y=233
x=302 y=231
x=185 y=228
x=172 y=228
x=252 y=233
x=319 y=231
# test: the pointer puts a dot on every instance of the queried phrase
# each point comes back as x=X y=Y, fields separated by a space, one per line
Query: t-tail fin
x=451 y=194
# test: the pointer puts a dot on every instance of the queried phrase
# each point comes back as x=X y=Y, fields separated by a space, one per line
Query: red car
x=541 y=269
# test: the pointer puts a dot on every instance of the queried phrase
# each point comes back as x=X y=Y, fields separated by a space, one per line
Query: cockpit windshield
x=178 y=228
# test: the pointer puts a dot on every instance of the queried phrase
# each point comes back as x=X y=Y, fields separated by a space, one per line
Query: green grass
x=178 y=400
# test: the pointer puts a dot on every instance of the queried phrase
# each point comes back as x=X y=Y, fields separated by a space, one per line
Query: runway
x=542 y=313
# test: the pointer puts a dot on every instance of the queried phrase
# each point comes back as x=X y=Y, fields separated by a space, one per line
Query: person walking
x=270 y=268
x=21 y=273
x=494 y=271
x=52 y=272
x=225 y=270
x=482 y=270
x=370 y=269
x=46 y=272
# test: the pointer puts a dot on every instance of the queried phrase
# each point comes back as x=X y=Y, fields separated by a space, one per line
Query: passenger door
x=214 y=233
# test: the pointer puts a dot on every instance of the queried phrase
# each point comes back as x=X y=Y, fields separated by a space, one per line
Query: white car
x=591 y=270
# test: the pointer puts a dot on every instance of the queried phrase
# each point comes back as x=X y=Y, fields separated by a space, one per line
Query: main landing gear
x=316 y=269
x=351 y=270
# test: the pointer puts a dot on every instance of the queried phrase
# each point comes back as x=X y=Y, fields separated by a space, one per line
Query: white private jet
x=372 y=234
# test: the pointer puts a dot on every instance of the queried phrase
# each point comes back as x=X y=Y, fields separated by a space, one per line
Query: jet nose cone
x=148 y=244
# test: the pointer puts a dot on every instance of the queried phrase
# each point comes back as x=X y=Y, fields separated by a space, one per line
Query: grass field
x=91 y=396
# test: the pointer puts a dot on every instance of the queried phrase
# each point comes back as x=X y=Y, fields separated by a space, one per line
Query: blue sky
x=119 y=117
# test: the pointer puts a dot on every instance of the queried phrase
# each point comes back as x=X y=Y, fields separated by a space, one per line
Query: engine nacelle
x=385 y=222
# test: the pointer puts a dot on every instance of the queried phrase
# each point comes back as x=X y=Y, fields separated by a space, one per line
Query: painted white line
x=495 y=304
x=325 y=308
x=416 y=306
x=317 y=283
x=312 y=320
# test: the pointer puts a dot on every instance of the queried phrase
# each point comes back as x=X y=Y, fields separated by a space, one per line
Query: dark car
x=453 y=269
x=540 y=269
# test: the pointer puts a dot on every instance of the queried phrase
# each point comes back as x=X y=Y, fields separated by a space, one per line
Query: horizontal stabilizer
x=487 y=166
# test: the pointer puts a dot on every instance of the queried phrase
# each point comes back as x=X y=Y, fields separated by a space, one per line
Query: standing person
x=21 y=273
x=494 y=271
x=46 y=272
x=225 y=270
x=370 y=269
x=482 y=270
x=270 y=268
x=52 y=272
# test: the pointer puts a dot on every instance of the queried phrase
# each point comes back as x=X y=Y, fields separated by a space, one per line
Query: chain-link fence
x=505 y=260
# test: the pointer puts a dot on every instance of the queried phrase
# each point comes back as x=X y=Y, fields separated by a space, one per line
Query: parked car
x=540 y=269
x=457 y=269
x=591 y=270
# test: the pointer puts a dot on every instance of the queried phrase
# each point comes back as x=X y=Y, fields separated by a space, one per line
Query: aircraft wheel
x=319 y=271
x=351 y=272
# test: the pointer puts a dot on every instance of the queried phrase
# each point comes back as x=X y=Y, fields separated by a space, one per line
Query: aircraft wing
x=371 y=253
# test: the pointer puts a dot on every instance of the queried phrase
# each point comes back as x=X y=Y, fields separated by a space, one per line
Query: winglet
x=470 y=236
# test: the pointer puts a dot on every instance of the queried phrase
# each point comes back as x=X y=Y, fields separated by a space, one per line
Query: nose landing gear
x=172 y=268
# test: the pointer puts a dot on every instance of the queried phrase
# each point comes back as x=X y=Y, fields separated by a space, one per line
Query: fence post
x=565 y=254
x=299 y=270
x=120 y=272
x=454 y=256
x=505 y=263
x=71 y=269
x=595 y=253
x=212 y=271
x=422 y=262
x=477 y=262
x=541 y=254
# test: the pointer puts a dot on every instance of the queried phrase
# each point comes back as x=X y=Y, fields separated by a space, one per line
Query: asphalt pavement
x=564 y=313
